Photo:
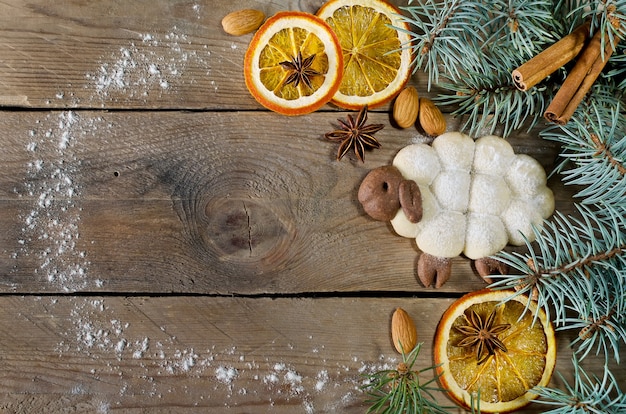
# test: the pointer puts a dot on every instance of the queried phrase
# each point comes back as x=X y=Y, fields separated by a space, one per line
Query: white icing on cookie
x=477 y=196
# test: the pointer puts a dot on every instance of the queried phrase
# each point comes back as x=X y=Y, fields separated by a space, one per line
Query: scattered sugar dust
x=51 y=232
x=233 y=376
x=51 y=235
x=226 y=374
x=152 y=64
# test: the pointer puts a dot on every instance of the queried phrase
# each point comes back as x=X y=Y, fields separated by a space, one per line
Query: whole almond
x=431 y=119
x=242 y=21
x=406 y=107
x=403 y=331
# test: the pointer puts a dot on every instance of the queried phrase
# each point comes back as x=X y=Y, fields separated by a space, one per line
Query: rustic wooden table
x=169 y=246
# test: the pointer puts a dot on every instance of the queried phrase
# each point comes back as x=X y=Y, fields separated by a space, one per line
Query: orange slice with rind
x=376 y=52
x=504 y=381
x=287 y=37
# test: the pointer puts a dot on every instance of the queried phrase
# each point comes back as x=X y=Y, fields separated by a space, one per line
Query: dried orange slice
x=293 y=64
x=503 y=371
x=374 y=40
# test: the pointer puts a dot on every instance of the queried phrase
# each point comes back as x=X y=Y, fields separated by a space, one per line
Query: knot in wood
x=244 y=230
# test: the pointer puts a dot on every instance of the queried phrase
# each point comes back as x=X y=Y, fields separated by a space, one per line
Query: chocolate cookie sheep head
x=383 y=191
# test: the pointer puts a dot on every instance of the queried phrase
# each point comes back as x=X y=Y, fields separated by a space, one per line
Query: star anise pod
x=300 y=70
x=356 y=135
x=482 y=333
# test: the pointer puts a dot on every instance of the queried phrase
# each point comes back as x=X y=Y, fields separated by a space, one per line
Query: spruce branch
x=475 y=402
x=618 y=69
x=594 y=149
x=577 y=267
x=473 y=45
x=602 y=326
x=491 y=102
x=608 y=16
x=516 y=27
x=588 y=394
x=445 y=35
x=401 y=390
x=577 y=264
x=570 y=14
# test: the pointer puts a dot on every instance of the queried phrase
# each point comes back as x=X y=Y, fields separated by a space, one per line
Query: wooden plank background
x=169 y=246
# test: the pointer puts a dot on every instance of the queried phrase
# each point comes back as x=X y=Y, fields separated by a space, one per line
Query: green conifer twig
x=588 y=394
x=577 y=266
x=403 y=390
x=594 y=148
x=441 y=33
x=470 y=47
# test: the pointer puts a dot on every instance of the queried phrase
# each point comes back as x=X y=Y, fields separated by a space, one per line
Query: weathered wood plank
x=116 y=54
x=104 y=354
x=148 y=54
x=201 y=202
x=134 y=205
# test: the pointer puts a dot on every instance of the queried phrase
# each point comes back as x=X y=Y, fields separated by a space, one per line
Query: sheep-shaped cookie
x=459 y=196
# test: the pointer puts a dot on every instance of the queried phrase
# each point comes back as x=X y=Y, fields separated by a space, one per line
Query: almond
x=431 y=119
x=243 y=21
x=403 y=331
x=406 y=107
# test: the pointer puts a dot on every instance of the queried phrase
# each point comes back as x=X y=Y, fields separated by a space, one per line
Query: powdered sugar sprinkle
x=151 y=65
x=51 y=230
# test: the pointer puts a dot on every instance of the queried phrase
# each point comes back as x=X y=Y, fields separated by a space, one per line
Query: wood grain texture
x=148 y=54
x=115 y=54
x=168 y=246
x=206 y=202
x=143 y=354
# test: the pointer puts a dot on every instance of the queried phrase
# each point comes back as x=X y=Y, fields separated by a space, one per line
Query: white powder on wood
x=181 y=361
x=295 y=381
x=141 y=347
x=226 y=375
x=150 y=66
x=121 y=344
x=271 y=378
x=51 y=232
x=322 y=379
x=234 y=371
x=155 y=63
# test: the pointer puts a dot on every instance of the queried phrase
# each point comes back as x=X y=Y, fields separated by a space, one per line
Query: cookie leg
x=488 y=266
x=433 y=270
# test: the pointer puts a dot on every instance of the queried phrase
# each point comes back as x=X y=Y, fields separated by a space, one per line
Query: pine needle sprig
x=588 y=394
x=490 y=103
x=569 y=14
x=567 y=253
x=474 y=45
x=475 y=402
x=402 y=390
x=594 y=150
x=446 y=35
x=517 y=27
x=608 y=16
x=469 y=48
x=617 y=70
x=576 y=268
x=602 y=326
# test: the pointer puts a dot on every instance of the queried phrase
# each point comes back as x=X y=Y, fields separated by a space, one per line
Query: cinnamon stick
x=580 y=80
x=545 y=63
